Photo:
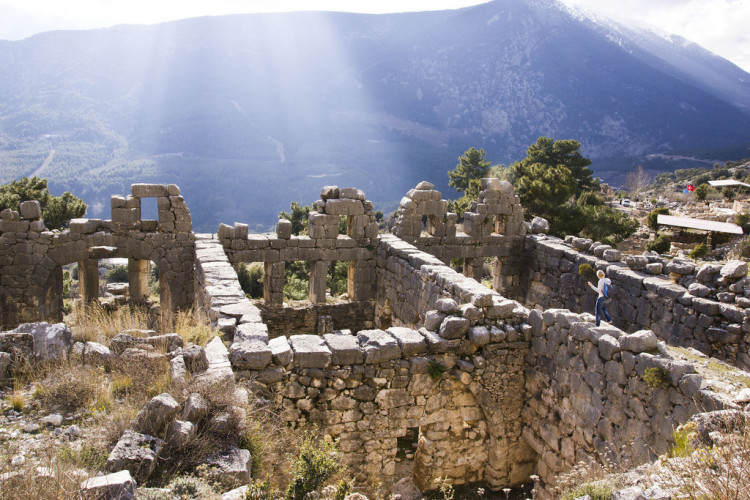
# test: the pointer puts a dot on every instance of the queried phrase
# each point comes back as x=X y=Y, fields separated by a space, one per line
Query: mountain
x=249 y=112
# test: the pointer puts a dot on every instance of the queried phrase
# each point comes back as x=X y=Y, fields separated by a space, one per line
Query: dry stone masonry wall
x=457 y=382
x=705 y=307
x=597 y=394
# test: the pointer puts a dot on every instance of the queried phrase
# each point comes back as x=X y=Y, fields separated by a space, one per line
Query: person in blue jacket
x=601 y=302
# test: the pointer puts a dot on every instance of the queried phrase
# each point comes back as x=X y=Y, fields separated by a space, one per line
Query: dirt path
x=47 y=161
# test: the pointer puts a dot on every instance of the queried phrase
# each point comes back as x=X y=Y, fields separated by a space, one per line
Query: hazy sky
x=721 y=26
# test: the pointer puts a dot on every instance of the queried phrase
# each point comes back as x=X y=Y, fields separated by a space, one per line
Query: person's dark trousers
x=601 y=310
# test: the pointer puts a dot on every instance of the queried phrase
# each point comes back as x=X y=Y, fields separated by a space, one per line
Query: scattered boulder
x=231 y=466
x=136 y=453
x=539 y=225
x=153 y=418
x=51 y=341
x=119 y=486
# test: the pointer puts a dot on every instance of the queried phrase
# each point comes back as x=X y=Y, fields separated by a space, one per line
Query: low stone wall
x=318 y=318
x=702 y=307
x=410 y=281
x=599 y=394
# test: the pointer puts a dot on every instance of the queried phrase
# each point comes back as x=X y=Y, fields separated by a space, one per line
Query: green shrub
x=261 y=490
x=587 y=272
x=316 y=463
x=743 y=220
x=661 y=244
x=251 y=279
x=343 y=489
x=699 y=251
x=657 y=378
x=118 y=274
x=597 y=491
x=653 y=216
x=436 y=369
x=191 y=487
x=682 y=447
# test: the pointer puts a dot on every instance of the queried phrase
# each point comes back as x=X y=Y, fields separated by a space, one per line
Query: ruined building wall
x=320 y=247
x=493 y=228
x=371 y=389
x=600 y=395
x=31 y=257
x=703 y=307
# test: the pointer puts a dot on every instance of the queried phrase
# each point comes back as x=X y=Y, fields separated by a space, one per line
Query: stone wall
x=458 y=381
x=31 y=257
x=703 y=307
x=493 y=228
x=597 y=394
x=318 y=318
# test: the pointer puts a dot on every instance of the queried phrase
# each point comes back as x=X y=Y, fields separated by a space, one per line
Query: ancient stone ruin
x=423 y=370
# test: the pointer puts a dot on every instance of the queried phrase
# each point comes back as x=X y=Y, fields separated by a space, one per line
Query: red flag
x=691 y=187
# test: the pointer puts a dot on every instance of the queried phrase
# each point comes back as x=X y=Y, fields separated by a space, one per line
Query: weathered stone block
x=119 y=485
x=640 y=341
x=345 y=349
x=454 y=327
x=310 y=351
x=30 y=210
x=378 y=346
x=250 y=355
x=410 y=341
x=135 y=452
x=153 y=417
x=149 y=190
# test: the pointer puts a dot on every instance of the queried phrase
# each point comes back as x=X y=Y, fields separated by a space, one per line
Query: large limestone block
x=378 y=345
x=734 y=269
x=454 y=327
x=30 y=210
x=281 y=351
x=234 y=464
x=411 y=342
x=251 y=331
x=344 y=207
x=51 y=341
x=169 y=342
x=310 y=351
x=251 y=354
x=329 y=192
x=345 y=349
x=153 y=418
x=92 y=353
x=196 y=408
x=135 y=452
x=180 y=434
x=640 y=341
x=149 y=190
x=120 y=486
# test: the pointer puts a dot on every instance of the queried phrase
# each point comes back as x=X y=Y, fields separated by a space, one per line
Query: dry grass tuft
x=194 y=327
x=91 y=323
x=52 y=481
x=720 y=470
x=69 y=388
